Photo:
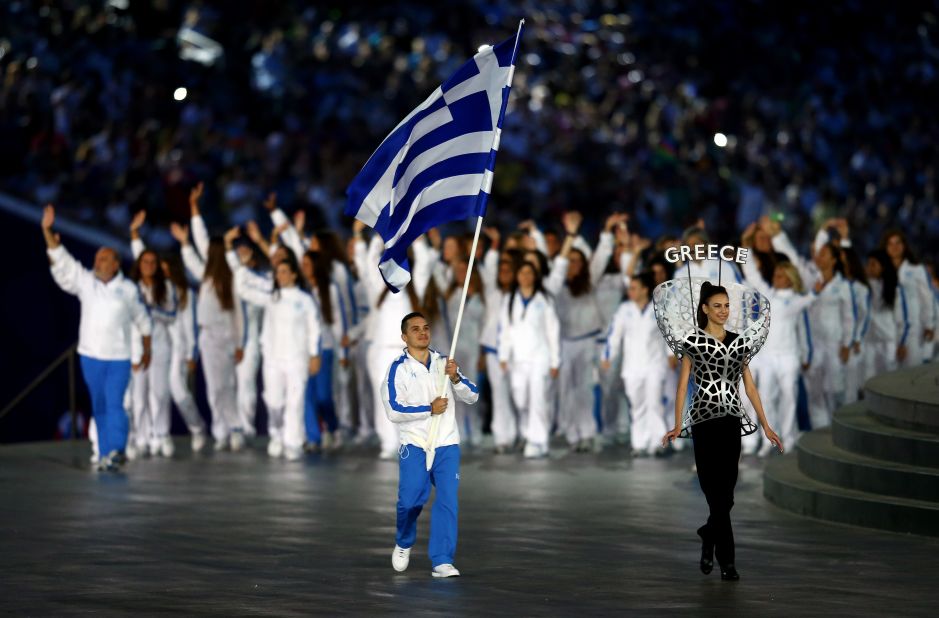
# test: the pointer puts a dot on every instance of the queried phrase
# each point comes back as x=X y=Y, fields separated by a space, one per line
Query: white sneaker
x=167 y=448
x=400 y=558
x=130 y=452
x=337 y=440
x=198 y=442
x=535 y=451
x=155 y=446
x=275 y=448
x=293 y=454
x=237 y=440
x=221 y=445
x=445 y=570
x=327 y=441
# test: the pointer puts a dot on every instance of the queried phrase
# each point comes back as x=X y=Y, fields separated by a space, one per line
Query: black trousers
x=716 y=455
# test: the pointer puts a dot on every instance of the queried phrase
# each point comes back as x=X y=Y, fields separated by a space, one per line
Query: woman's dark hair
x=322 y=269
x=159 y=278
x=541 y=258
x=659 y=259
x=646 y=280
x=580 y=284
x=539 y=286
x=178 y=278
x=854 y=269
x=475 y=285
x=888 y=276
x=331 y=247
x=907 y=252
x=216 y=269
x=291 y=262
x=708 y=291
x=836 y=253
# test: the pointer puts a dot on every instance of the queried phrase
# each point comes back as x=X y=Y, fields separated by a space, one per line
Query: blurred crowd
x=672 y=110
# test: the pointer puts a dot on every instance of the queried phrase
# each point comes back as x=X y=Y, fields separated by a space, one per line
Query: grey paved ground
x=237 y=534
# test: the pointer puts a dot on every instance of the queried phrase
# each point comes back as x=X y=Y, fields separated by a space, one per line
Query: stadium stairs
x=876 y=466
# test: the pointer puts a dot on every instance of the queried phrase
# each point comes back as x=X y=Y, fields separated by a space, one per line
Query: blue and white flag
x=437 y=164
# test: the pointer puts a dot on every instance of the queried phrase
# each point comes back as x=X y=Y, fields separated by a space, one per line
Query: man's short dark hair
x=404 y=321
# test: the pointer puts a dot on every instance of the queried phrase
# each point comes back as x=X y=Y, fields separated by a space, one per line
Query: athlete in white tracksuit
x=497 y=276
x=246 y=371
x=411 y=394
x=151 y=384
x=776 y=370
x=220 y=332
x=888 y=325
x=918 y=295
x=581 y=326
x=530 y=350
x=831 y=324
x=384 y=324
x=290 y=349
x=183 y=338
x=635 y=334
x=860 y=309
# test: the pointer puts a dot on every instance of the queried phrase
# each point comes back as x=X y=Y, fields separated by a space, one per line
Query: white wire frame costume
x=717 y=368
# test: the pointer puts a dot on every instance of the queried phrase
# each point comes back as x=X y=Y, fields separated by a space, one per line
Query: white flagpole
x=435 y=422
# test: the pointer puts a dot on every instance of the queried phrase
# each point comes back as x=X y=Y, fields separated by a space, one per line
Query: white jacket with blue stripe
x=408 y=390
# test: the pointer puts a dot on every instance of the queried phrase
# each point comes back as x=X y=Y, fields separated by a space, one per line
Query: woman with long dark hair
x=150 y=386
x=221 y=324
x=888 y=325
x=290 y=353
x=530 y=343
x=320 y=406
x=716 y=419
x=916 y=287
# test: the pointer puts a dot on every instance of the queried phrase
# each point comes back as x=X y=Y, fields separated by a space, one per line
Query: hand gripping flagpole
x=435 y=422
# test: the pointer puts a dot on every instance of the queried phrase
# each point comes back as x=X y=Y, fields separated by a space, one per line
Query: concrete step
x=907 y=398
x=786 y=486
x=856 y=430
x=820 y=459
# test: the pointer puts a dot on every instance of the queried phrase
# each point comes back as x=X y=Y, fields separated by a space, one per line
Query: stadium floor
x=239 y=535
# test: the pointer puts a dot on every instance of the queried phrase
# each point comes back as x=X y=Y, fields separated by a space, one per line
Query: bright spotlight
x=720 y=140
x=179 y=94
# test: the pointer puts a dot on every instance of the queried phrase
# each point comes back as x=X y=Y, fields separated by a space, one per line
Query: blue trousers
x=319 y=404
x=107 y=381
x=414 y=484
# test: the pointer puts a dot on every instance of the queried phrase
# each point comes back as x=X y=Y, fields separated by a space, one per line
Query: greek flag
x=436 y=165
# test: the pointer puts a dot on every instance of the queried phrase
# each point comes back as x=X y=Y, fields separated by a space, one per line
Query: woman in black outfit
x=716 y=419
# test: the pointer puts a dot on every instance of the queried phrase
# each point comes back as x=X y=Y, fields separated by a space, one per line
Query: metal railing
x=67 y=356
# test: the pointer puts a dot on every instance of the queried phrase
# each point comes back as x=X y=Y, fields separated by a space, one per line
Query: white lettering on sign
x=686 y=253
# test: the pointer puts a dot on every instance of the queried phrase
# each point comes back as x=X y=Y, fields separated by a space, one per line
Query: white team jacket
x=292 y=323
x=408 y=390
x=107 y=309
x=532 y=333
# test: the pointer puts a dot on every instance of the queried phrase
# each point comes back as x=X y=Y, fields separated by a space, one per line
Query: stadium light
x=720 y=140
x=180 y=93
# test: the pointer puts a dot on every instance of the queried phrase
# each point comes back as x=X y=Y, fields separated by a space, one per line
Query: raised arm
x=200 y=234
x=601 y=257
x=191 y=259
x=288 y=234
x=137 y=245
x=67 y=272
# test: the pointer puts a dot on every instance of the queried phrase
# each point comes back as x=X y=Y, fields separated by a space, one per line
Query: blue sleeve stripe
x=244 y=324
x=393 y=395
x=906 y=316
x=466 y=381
x=351 y=289
x=853 y=311
x=808 y=335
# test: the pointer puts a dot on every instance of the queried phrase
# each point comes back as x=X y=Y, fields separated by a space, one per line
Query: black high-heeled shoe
x=707 y=554
x=729 y=573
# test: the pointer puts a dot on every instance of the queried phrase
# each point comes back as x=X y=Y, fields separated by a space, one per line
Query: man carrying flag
x=436 y=166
